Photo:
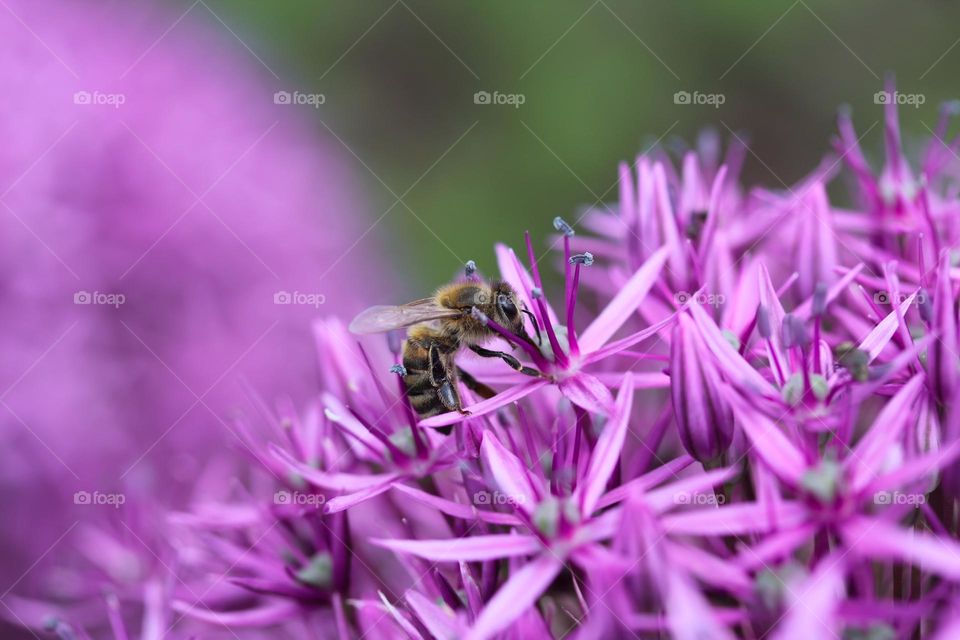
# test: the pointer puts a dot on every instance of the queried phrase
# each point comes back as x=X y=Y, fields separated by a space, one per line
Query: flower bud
x=704 y=419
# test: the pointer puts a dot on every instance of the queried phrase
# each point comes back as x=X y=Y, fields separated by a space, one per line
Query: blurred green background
x=598 y=80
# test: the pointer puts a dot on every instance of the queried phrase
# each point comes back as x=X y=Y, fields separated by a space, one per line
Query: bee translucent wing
x=386 y=317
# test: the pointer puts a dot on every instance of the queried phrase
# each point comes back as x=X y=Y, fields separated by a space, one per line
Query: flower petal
x=709 y=568
x=878 y=338
x=438 y=620
x=588 y=393
x=878 y=539
x=774 y=547
x=869 y=454
x=484 y=407
x=266 y=615
x=683 y=492
x=813 y=603
x=625 y=343
x=779 y=454
x=646 y=481
x=509 y=473
x=456 y=509
x=344 y=502
x=732 y=365
x=624 y=304
x=735 y=519
x=332 y=481
x=516 y=596
x=775 y=313
x=606 y=455
x=689 y=613
x=474 y=548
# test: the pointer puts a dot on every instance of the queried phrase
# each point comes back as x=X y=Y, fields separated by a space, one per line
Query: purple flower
x=779 y=460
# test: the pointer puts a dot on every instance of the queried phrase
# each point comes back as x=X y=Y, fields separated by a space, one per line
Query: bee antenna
x=536 y=325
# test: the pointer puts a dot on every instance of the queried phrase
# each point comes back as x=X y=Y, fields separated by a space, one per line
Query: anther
x=586 y=259
x=563 y=227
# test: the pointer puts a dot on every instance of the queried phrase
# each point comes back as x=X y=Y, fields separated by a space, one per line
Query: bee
x=439 y=327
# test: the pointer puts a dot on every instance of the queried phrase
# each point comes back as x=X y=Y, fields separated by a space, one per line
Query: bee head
x=506 y=307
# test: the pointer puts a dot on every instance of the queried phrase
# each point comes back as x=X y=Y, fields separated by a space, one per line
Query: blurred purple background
x=166 y=231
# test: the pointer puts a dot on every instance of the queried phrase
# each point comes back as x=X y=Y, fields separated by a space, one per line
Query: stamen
x=534 y=269
x=395 y=341
x=398 y=369
x=563 y=227
x=818 y=307
x=765 y=331
x=573 y=283
x=794 y=332
x=763 y=322
x=470 y=268
x=819 y=299
x=566 y=269
x=795 y=337
x=559 y=357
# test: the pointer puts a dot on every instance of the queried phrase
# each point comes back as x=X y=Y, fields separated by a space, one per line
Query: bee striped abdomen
x=419 y=383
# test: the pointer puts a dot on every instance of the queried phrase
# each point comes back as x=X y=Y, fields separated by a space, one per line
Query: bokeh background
x=598 y=78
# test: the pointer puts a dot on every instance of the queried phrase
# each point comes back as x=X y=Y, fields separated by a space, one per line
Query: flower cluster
x=742 y=428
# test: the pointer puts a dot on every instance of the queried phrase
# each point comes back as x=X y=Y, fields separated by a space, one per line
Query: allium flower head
x=741 y=434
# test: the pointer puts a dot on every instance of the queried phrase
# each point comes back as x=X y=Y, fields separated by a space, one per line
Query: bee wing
x=386 y=317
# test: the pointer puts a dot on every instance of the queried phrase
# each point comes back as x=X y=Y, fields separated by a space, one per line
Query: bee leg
x=449 y=397
x=475 y=385
x=438 y=374
x=506 y=357
x=536 y=325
